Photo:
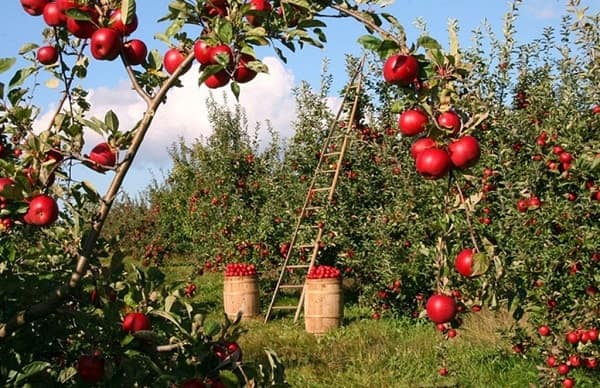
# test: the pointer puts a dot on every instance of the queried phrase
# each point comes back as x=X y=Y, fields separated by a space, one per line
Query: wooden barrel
x=323 y=304
x=240 y=293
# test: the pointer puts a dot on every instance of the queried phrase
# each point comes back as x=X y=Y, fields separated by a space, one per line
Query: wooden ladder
x=308 y=232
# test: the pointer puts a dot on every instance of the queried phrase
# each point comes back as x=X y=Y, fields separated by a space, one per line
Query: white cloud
x=184 y=115
x=543 y=9
x=267 y=97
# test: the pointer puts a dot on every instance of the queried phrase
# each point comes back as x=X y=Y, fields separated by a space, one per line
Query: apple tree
x=72 y=311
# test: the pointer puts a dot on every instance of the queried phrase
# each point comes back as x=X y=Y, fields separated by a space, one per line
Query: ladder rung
x=284 y=307
x=327 y=171
x=309 y=226
x=312 y=208
x=297 y=266
x=335 y=153
x=304 y=246
x=291 y=285
x=322 y=189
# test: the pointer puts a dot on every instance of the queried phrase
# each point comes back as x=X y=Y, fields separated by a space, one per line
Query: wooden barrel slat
x=240 y=293
x=323 y=305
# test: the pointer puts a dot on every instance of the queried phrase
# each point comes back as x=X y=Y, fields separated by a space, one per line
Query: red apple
x=117 y=23
x=544 y=330
x=464 y=152
x=203 y=52
x=412 y=122
x=400 y=69
x=259 y=9
x=242 y=72
x=433 y=163
x=65 y=5
x=105 y=44
x=135 y=52
x=47 y=55
x=565 y=157
x=441 y=308
x=223 y=53
x=216 y=8
x=135 y=322
x=172 y=60
x=53 y=15
x=449 y=120
x=4 y=182
x=464 y=262
x=42 y=211
x=217 y=80
x=420 y=145
x=104 y=155
x=90 y=368
x=34 y=7
x=83 y=29
x=596 y=109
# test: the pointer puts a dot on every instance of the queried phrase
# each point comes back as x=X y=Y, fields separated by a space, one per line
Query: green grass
x=384 y=353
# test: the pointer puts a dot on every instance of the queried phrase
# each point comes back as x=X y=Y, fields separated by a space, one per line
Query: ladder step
x=327 y=171
x=312 y=208
x=322 y=189
x=305 y=246
x=291 y=285
x=309 y=226
x=335 y=153
x=284 y=307
x=297 y=266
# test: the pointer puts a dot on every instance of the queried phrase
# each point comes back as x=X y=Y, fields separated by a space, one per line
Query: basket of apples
x=323 y=299
x=240 y=290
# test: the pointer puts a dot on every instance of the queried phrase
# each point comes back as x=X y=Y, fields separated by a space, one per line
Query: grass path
x=384 y=353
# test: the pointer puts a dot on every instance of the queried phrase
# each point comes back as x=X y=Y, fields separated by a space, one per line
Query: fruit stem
x=468 y=216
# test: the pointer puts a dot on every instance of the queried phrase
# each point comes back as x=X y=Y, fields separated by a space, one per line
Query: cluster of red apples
x=91 y=367
x=108 y=37
x=105 y=28
x=240 y=269
x=23 y=197
x=434 y=156
x=323 y=272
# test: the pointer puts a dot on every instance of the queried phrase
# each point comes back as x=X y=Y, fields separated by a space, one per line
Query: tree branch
x=58 y=296
x=370 y=24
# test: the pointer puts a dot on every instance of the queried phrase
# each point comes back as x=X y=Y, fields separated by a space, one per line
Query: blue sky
x=267 y=97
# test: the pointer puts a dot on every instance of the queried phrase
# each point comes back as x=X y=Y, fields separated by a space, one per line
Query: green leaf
x=27 y=47
x=235 y=89
x=169 y=317
x=211 y=328
x=392 y=20
x=311 y=23
x=481 y=263
x=154 y=59
x=127 y=10
x=20 y=76
x=32 y=369
x=428 y=43
x=75 y=13
x=6 y=63
x=111 y=121
x=174 y=28
x=370 y=42
x=89 y=189
x=169 y=302
x=224 y=31
x=208 y=71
